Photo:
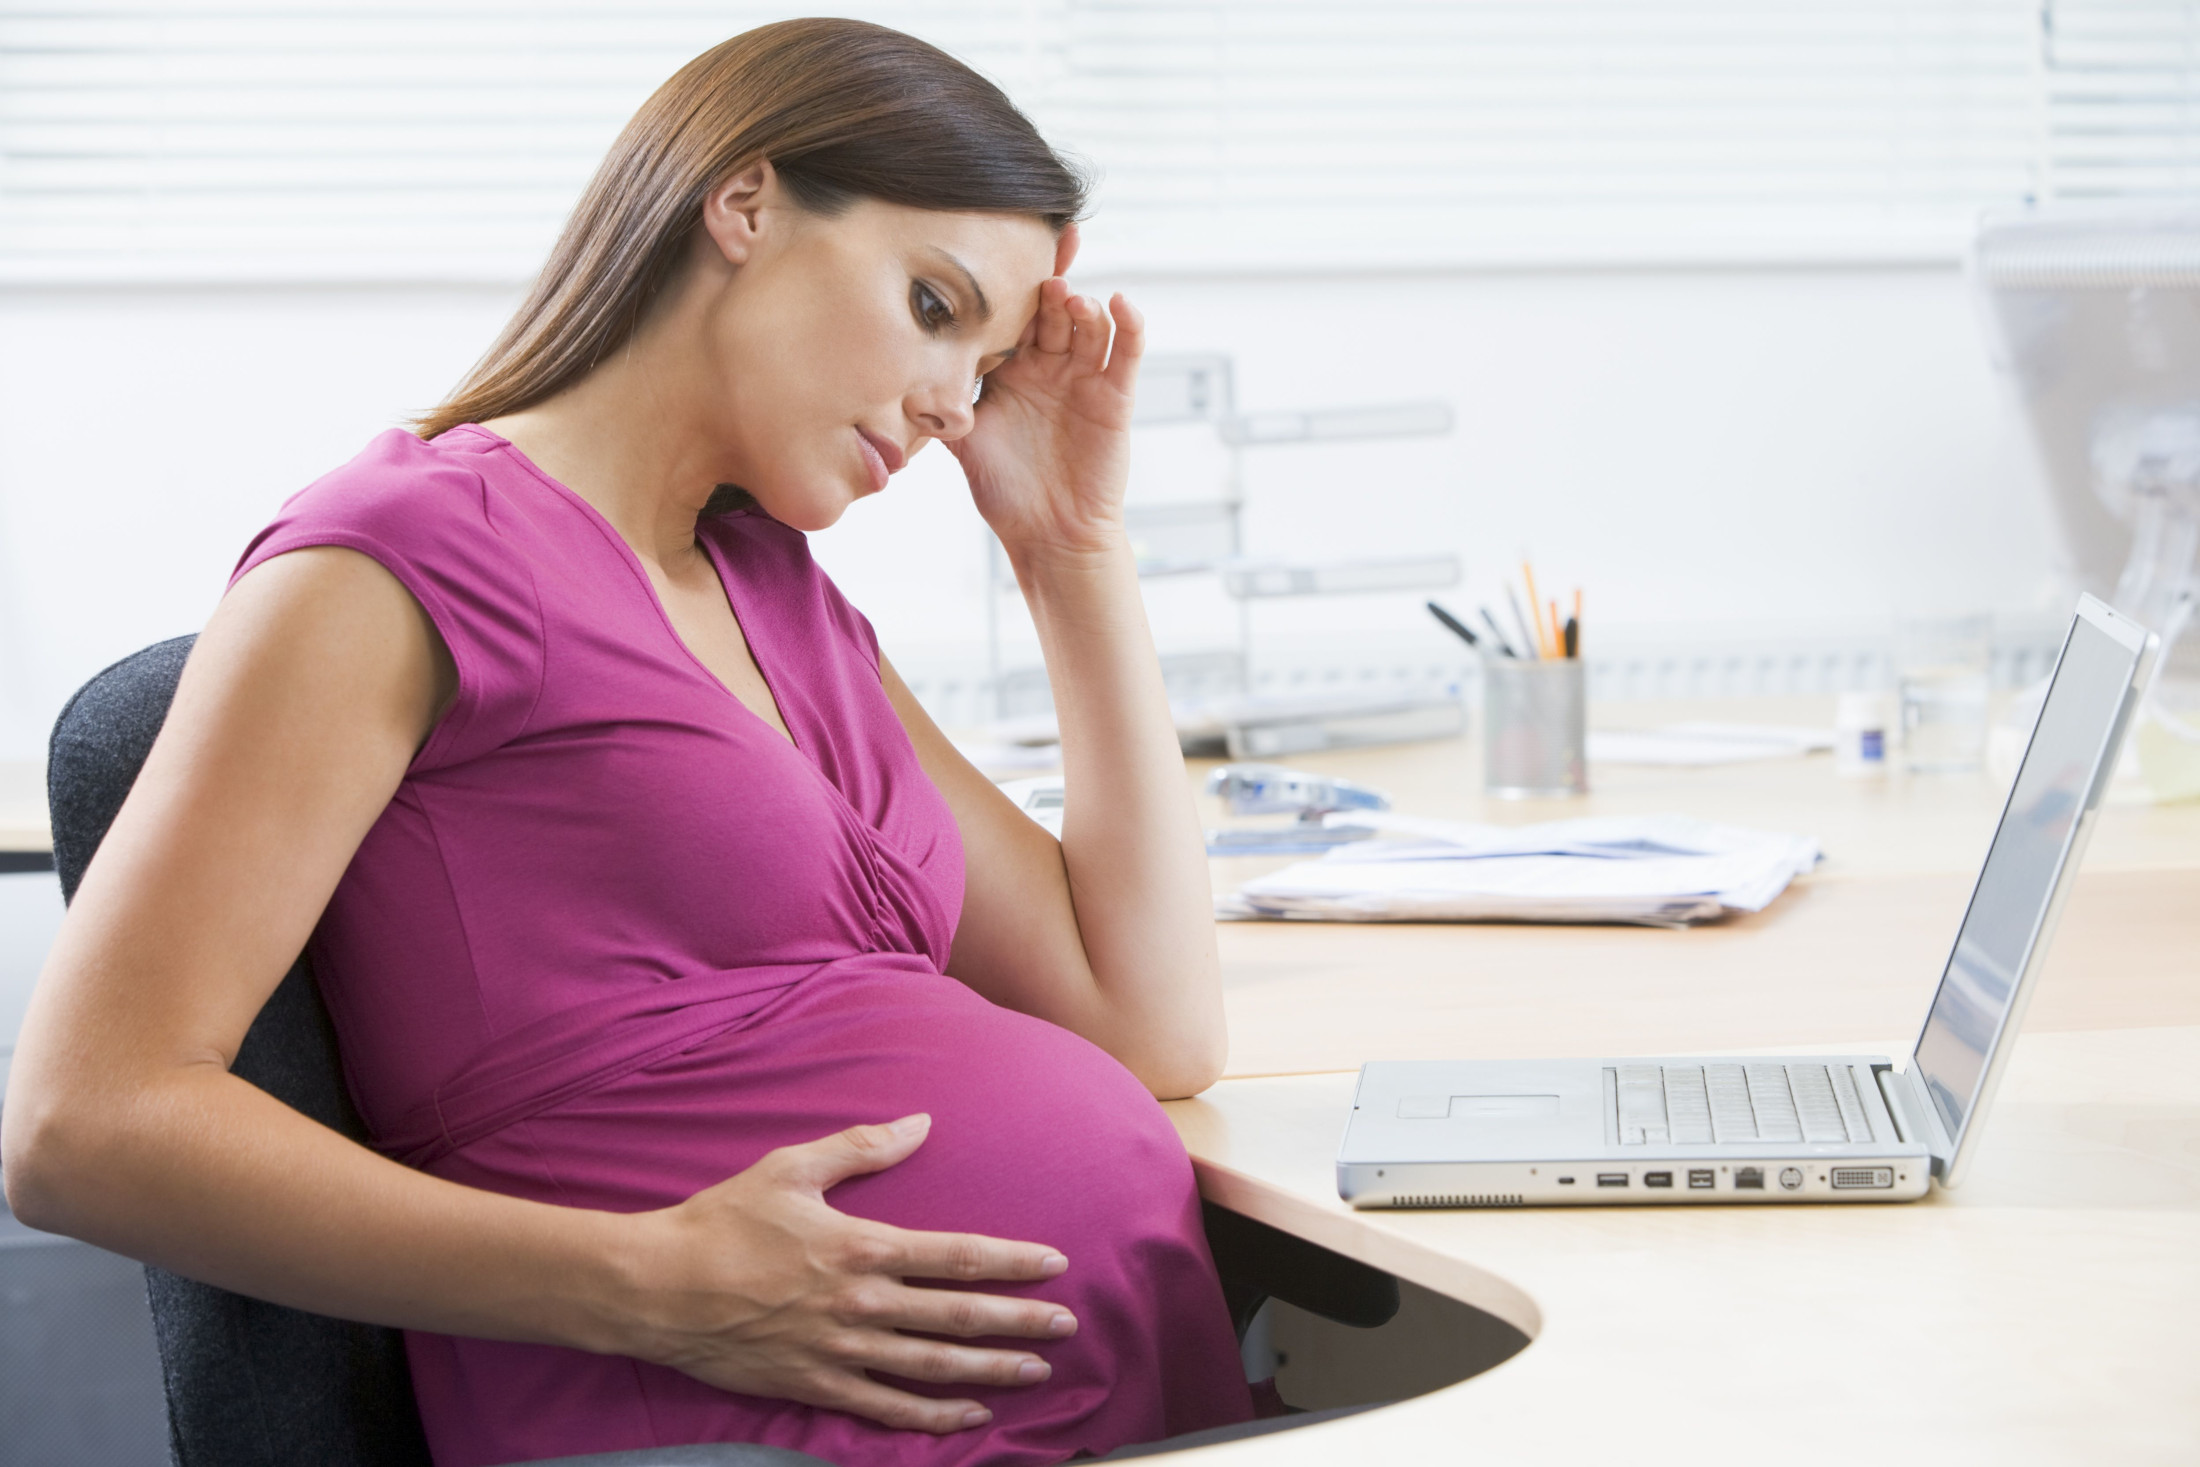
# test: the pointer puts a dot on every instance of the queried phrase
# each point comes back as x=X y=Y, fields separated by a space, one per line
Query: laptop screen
x=2014 y=890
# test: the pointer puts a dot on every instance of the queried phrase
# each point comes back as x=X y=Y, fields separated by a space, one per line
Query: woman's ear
x=1065 y=249
x=732 y=213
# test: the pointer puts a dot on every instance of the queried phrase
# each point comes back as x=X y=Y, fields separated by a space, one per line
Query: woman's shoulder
x=429 y=504
x=397 y=490
x=427 y=511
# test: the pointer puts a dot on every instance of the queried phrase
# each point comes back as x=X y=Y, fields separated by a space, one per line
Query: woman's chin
x=811 y=511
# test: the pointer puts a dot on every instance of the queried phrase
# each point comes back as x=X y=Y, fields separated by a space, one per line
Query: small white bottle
x=1860 y=735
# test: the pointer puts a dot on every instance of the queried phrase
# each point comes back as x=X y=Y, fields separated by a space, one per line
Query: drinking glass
x=1941 y=667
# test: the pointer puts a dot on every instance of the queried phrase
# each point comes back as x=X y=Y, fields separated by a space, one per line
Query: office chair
x=253 y=1384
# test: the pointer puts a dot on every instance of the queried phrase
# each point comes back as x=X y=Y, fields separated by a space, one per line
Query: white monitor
x=2094 y=312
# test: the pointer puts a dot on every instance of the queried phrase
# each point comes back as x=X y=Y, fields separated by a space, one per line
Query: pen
x=1532 y=643
x=1573 y=636
x=1544 y=641
x=1497 y=633
x=1458 y=627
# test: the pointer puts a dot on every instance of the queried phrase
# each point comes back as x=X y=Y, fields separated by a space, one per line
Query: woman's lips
x=880 y=457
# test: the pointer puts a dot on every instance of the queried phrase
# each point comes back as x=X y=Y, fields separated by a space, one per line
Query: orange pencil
x=1535 y=609
x=1558 y=634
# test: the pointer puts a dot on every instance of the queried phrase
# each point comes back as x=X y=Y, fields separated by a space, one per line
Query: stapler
x=1272 y=789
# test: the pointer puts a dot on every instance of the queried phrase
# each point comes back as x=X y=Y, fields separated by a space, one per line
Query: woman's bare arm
x=1030 y=940
x=301 y=707
x=1110 y=933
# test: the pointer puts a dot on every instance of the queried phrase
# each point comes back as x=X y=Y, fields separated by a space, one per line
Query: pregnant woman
x=741 y=1065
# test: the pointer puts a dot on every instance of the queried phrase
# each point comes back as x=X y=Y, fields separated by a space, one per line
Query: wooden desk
x=1851 y=950
x=2044 y=1313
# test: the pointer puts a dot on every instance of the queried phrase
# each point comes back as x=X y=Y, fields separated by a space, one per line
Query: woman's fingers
x=940 y=1362
x=859 y=1395
x=1096 y=338
x=1088 y=350
x=1130 y=343
x=830 y=1160
x=965 y=1257
x=958 y=1313
x=770 y=1291
x=1052 y=329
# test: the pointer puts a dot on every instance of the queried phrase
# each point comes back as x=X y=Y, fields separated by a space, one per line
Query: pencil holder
x=1535 y=727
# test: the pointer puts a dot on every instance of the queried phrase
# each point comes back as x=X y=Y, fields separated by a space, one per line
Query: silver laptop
x=1855 y=1128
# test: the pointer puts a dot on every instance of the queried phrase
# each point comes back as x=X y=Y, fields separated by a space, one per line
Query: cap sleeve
x=427 y=518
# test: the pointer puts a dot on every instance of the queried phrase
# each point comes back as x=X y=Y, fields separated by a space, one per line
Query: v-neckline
x=741 y=620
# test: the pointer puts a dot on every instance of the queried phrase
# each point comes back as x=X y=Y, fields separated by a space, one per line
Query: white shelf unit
x=1205 y=536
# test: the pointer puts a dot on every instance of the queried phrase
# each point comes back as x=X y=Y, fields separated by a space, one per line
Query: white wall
x=1711 y=454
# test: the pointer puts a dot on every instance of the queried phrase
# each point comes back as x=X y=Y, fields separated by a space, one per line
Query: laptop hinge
x=1893 y=1092
x=1913 y=1114
x=1889 y=1088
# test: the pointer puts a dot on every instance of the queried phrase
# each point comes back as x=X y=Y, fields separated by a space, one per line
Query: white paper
x=1665 y=870
x=1702 y=744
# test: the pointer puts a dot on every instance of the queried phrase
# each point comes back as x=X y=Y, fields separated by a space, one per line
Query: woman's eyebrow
x=977 y=291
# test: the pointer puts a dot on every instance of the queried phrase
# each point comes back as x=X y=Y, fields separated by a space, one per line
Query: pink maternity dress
x=614 y=939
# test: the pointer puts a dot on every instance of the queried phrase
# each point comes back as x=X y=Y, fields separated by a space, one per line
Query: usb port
x=1700 y=1178
x=1746 y=1177
x=1657 y=1179
x=1565 y=1181
x=1613 y=1179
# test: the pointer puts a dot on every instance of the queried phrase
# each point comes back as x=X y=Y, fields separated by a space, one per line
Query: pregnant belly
x=1036 y=1135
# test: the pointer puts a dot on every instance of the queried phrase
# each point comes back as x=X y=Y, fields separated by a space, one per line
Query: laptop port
x=1701 y=1178
x=1847 y=1177
x=1749 y=1177
x=1657 y=1179
x=1611 y=1179
x=1565 y=1181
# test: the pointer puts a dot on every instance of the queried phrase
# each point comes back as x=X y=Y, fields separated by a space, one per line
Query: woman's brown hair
x=841 y=109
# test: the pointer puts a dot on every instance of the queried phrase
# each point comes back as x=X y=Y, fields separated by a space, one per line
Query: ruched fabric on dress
x=565 y=1055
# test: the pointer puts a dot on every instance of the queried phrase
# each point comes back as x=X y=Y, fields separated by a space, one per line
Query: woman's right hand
x=757 y=1285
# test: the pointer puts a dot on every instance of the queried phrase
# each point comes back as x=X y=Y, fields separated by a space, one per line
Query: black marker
x=1458 y=628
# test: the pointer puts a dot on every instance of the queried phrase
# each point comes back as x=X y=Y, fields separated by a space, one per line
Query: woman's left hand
x=1050 y=453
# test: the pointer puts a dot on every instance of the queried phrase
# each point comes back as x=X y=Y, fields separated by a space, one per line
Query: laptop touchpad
x=1478 y=1107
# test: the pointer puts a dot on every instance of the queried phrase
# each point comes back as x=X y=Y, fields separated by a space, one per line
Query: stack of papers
x=1659 y=871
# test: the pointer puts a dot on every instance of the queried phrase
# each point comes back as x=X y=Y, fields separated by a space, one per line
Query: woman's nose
x=945 y=412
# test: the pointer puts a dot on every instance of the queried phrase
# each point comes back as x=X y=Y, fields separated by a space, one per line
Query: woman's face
x=833 y=348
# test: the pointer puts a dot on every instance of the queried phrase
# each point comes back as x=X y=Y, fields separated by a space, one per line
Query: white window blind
x=1414 y=131
x=311 y=139
x=2123 y=81
x=349 y=139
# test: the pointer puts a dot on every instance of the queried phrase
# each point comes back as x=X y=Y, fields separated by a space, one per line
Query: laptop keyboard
x=1697 y=1105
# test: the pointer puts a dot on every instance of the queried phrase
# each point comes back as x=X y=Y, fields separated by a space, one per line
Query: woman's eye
x=933 y=313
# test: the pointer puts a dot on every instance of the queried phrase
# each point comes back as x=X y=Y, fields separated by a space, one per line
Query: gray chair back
x=249 y=1384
